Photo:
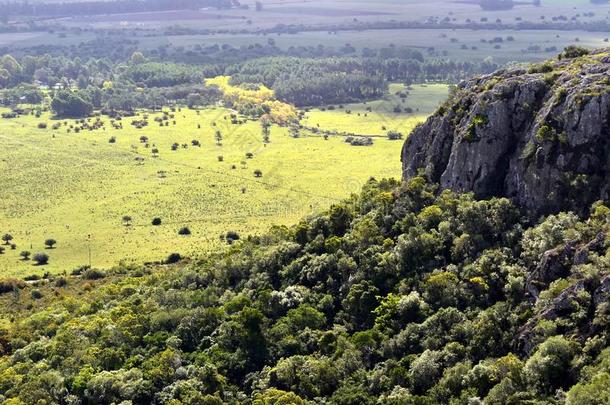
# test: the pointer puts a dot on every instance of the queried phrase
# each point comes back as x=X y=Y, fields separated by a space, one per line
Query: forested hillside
x=400 y=295
x=406 y=293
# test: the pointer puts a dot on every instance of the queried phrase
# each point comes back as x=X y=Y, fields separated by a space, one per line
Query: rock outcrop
x=539 y=135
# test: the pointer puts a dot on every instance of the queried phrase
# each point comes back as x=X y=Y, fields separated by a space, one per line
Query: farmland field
x=76 y=188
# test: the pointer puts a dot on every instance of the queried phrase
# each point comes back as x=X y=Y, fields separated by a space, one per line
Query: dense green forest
x=307 y=78
x=400 y=295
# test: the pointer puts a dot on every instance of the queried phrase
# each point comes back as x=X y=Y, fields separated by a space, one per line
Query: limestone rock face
x=539 y=135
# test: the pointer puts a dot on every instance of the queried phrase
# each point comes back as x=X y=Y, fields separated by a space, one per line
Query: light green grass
x=421 y=99
x=68 y=186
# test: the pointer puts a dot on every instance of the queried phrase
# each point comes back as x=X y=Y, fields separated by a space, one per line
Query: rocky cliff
x=537 y=134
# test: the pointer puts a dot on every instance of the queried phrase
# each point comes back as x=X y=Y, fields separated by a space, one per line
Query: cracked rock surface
x=538 y=135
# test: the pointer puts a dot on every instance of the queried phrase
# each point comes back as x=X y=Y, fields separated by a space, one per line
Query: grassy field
x=312 y=12
x=381 y=117
x=76 y=188
x=422 y=39
x=342 y=11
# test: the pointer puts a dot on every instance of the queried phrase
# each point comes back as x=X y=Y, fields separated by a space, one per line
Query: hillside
x=403 y=294
x=536 y=134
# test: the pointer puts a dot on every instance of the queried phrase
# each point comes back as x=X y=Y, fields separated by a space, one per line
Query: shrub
x=573 y=51
x=184 y=231
x=93 y=274
x=36 y=294
x=79 y=270
x=41 y=259
x=156 y=221
x=231 y=237
x=173 y=258
x=61 y=282
x=10 y=284
x=394 y=135
x=42 y=125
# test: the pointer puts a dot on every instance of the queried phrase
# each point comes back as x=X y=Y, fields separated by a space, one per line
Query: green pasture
x=77 y=187
x=382 y=117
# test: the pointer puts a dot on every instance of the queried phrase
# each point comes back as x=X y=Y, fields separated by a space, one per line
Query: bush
x=10 y=284
x=573 y=51
x=79 y=270
x=156 y=221
x=173 y=258
x=41 y=259
x=394 y=135
x=185 y=231
x=42 y=125
x=93 y=274
x=36 y=294
x=61 y=282
x=231 y=237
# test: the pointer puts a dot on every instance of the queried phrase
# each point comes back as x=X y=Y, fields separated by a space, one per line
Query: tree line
x=19 y=8
x=302 y=81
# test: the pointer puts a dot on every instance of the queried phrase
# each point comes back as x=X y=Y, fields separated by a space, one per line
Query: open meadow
x=376 y=118
x=76 y=188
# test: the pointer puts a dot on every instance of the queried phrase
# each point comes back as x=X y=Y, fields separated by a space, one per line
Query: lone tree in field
x=41 y=259
x=184 y=231
x=258 y=173
x=49 y=243
x=25 y=255
x=266 y=129
x=218 y=137
x=156 y=221
x=7 y=238
x=127 y=220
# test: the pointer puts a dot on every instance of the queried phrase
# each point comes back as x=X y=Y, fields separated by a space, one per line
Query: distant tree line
x=497 y=4
x=314 y=82
x=300 y=80
x=106 y=7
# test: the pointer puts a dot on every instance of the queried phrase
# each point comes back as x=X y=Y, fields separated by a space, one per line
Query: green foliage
x=573 y=51
x=471 y=131
x=69 y=104
x=401 y=294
